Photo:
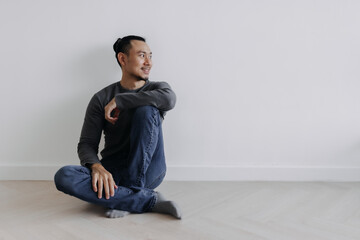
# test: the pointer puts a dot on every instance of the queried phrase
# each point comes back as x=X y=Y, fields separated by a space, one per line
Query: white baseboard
x=253 y=173
x=211 y=173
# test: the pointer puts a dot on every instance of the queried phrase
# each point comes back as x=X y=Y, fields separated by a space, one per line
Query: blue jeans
x=144 y=171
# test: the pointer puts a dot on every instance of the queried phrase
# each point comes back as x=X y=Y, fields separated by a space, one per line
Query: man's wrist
x=95 y=165
x=91 y=165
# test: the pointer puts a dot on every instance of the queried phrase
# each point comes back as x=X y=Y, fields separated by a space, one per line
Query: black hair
x=123 y=45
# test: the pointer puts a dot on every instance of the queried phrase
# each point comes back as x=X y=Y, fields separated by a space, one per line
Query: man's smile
x=146 y=70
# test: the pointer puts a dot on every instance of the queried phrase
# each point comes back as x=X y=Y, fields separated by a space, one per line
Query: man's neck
x=132 y=84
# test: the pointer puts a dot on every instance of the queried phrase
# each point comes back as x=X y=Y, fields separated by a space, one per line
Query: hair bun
x=115 y=47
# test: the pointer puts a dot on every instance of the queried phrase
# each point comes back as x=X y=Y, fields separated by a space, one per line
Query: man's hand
x=111 y=106
x=102 y=180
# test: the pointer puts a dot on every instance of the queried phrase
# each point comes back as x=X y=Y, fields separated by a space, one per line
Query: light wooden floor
x=212 y=210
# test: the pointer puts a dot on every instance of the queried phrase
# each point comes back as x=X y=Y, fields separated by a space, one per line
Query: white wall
x=267 y=90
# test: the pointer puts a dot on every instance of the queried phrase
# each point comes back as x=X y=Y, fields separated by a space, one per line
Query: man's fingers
x=112 y=120
x=112 y=188
x=106 y=189
x=100 y=188
x=102 y=180
x=109 y=108
x=108 y=116
x=94 y=182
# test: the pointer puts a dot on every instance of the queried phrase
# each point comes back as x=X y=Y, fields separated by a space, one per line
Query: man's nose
x=148 y=61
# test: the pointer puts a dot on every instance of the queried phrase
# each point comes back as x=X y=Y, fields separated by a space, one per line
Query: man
x=130 y=114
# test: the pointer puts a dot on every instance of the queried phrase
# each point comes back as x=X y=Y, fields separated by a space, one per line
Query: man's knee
x=147 y=113
x=63 y=178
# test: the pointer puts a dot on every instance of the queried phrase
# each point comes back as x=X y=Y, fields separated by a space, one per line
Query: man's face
x=138 y=63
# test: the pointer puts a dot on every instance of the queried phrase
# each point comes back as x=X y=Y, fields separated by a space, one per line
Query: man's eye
x=142 y=55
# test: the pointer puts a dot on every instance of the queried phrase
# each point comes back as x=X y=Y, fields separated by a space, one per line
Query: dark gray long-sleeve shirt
x=157 y=94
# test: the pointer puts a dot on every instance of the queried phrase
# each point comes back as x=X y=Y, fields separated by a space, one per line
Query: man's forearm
x=164 y=99
x=88 y=145
x=87 y=154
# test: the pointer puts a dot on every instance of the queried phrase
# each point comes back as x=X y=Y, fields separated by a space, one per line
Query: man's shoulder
x=108 y=89
x=104 y=95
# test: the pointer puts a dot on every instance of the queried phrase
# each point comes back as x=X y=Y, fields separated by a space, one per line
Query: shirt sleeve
x=88 y=145
x=161 y=96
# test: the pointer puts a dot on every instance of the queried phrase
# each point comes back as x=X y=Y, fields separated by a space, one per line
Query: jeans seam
x=147 y=149
x=152 y=203
x=162 y=175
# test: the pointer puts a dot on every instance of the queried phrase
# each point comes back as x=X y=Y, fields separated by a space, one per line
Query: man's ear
x=121 y=57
